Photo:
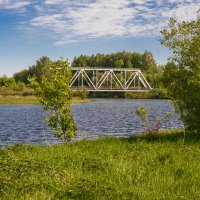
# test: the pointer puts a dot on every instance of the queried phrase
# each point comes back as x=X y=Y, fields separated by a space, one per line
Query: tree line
x=144 y=61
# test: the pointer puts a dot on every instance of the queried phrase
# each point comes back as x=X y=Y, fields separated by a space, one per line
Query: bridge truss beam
x=109 y=79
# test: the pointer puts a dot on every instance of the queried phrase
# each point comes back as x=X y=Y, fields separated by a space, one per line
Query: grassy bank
x=141 y=167
x=30 y=100
x=18 y=100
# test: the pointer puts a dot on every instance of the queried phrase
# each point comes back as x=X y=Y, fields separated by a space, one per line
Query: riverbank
x=140 y=167
x=26 y=96
x=157 y=93
x=17 y=99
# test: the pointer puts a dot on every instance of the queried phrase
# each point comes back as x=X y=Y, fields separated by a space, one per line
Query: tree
x=148 y=62
x=136 y=60
x=182 y=73
x=39 y=68
x=54 y=93
x=22 y=76
x=128 y=64
x=119 y=63
x=143 y=114
x=119 y=59
x=34 y=71
x=7 y=82
x=154 y=79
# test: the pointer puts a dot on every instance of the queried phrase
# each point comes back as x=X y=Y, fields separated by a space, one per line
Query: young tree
x=182 y=74
x=54 y=93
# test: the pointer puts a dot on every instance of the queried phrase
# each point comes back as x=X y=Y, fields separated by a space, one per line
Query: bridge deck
x=105 y=69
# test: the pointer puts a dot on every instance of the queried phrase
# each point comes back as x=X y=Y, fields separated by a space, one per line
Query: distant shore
x=18 y=99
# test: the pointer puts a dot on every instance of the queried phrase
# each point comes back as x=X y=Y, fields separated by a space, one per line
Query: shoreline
x=5 y=100
x=18 y=99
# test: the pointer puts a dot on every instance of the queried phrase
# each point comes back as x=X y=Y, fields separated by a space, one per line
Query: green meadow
x=155 y=166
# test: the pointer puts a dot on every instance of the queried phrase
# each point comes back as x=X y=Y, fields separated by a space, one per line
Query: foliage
x=54 y=93
x=148 y=62
x=22 y=76
x=128 y=64
x=119 y=63
x=182 y=73
x=143 y=114
x=157 y=93
x=83 y=93
x=122 y=59
x=140 y=167
x=107 y=94
x=8 y=86
x=7 y=82
x=154 y=79
x=35 y=71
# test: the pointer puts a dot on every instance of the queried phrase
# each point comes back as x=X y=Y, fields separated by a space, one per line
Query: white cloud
x=183 y=12
x=13 y=4
x=70 y=21
x=53 y=2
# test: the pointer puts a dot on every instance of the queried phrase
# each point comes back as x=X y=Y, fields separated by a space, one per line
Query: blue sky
x=30 y=29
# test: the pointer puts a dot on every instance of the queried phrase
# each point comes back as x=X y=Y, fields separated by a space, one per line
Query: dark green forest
x=145 y=61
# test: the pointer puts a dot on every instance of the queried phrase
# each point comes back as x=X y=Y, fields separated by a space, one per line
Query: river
x=102 y=117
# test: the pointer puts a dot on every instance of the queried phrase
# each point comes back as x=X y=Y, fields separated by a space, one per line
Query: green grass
x=18 y=100
x=31 y=100
x=142 y=167
x=76 y=100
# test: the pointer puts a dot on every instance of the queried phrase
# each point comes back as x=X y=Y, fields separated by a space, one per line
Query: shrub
x=182 y=74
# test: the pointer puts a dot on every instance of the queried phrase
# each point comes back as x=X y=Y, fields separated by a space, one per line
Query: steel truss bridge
x=108 y=79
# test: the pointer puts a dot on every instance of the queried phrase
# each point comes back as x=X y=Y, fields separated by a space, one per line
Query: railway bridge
x=109 y=79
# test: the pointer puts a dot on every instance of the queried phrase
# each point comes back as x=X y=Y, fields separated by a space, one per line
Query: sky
x=30 y=29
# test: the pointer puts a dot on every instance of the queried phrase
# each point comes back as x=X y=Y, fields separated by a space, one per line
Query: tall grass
x=18 y=100
x=139 y=167
x=31 y=100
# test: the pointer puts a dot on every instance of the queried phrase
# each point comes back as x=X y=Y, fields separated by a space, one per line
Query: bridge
x=108 y=79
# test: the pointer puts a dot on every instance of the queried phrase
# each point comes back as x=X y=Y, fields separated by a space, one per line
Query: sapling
x=54 y=93
x=143 y=114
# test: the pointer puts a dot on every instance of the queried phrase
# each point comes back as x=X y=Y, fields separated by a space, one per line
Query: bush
x=182 y=75
x=157 y=93
x=83 y=93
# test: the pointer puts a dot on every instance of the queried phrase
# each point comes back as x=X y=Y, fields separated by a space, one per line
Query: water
x=103 y=117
